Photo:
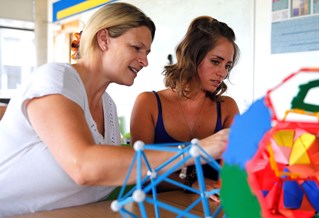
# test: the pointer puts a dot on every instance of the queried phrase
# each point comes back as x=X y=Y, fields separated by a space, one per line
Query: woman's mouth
x=215 y=83
x=134 y=70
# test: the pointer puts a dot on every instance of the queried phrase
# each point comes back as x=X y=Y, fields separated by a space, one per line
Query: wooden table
x=102 y=209
x=3 y=108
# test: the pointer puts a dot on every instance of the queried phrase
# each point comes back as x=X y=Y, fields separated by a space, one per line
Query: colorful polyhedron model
x=138 y=193
x=271 y=165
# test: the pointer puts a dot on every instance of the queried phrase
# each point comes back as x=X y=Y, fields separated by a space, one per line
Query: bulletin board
x=295 y=26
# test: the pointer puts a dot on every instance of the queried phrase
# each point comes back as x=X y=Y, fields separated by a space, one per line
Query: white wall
x=172 y=20
x=17 y=10
x=271 y=69
x=257 y=71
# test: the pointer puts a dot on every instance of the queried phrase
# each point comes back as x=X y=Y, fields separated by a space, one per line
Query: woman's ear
x=103 y=39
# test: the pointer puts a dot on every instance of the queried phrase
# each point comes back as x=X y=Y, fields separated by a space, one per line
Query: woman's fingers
x=215 y=198
x=215 y=144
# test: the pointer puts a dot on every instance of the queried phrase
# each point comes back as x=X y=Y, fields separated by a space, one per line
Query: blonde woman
x=59 y=133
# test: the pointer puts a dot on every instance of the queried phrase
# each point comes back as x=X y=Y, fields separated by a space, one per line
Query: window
x=17 y=55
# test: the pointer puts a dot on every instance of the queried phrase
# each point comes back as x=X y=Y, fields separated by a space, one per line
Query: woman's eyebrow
x=221 y=58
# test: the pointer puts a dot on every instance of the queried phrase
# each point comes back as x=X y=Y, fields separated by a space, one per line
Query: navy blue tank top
x=161 y=136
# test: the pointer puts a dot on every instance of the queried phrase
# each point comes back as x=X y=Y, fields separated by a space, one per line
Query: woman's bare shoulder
x=229 y=104
x=145 y=96
x=228 y=99
x=150 y=97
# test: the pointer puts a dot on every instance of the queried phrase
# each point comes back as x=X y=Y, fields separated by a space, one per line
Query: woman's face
x=216 y=65
x=127 y=54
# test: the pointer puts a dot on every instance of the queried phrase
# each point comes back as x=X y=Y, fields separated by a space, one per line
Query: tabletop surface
x=102 y=209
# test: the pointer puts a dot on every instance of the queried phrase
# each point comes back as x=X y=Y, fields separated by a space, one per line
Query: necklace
x=192 y=129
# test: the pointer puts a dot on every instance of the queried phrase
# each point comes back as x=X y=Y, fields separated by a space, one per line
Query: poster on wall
x=295 y=26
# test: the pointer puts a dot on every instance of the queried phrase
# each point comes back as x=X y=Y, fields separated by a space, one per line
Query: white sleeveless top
x=30 y=178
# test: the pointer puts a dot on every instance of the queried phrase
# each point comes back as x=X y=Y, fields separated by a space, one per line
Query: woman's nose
x=222 y=72
x=143 y=60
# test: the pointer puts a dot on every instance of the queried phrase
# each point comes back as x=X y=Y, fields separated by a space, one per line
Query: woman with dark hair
x=193 y=104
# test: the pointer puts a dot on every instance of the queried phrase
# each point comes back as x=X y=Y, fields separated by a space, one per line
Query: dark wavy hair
x=201 y=37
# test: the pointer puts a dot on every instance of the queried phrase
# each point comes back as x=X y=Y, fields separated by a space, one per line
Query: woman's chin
x=128 y=83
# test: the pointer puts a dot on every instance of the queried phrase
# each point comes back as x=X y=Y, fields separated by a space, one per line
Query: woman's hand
x=210 y=184
x=215 y=144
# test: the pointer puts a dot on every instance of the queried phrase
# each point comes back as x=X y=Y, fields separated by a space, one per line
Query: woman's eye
x=228 y=67
x=137 y=48
x=215 y=62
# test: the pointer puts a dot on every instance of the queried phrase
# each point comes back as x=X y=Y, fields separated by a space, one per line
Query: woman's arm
x=143 y=118
x=61 y=124
x=229 y=110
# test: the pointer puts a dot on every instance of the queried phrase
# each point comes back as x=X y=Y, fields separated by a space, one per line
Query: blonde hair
x=117 y=18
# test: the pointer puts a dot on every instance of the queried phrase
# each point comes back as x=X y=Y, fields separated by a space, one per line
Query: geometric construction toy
x=271 y=164
x=144 y=192
x=270 y=167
